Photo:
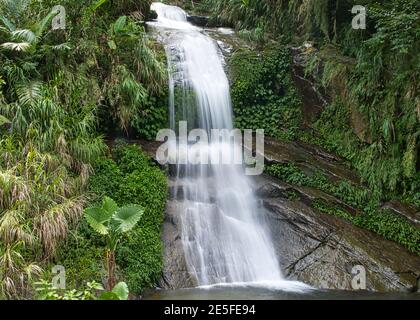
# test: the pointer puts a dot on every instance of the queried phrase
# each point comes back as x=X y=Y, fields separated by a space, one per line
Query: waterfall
x=224 y=236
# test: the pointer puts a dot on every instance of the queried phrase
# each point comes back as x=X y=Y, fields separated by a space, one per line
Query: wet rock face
x=315 y=248
x=308 y=158
x=175 y=271
x=322 y=250
x=199 y=21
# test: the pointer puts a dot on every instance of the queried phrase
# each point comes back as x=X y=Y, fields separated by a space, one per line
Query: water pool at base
x=252 y=293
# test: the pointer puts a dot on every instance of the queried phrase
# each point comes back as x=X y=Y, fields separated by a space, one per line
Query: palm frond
x=8 y=24
x=24 y=34
x=29 y=93
x=16 y=46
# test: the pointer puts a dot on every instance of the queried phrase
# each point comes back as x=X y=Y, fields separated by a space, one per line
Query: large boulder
x=322 y=250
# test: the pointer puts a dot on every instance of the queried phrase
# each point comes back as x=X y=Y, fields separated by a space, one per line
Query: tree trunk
x=110 y=257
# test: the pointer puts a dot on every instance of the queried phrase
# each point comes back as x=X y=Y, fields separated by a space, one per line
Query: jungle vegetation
x=371 y=117
x=372 y=75
x=62 y=92
x=66 y=93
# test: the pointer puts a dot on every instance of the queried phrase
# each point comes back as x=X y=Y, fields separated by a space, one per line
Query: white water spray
x=224 y=237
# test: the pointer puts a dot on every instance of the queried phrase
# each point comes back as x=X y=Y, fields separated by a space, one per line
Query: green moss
x=356 y=196
x=324 y=207
x=383 y=222
x=392 y=227
x=291 y=195
x=153 y=117
x=263 y=93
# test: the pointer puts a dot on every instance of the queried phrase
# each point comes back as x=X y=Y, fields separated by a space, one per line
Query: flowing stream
x=224 y=237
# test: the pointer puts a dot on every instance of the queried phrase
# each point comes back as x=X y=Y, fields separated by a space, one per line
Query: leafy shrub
x=107 y=178
x=154 y=117
x=139 y=256
x=46 y=291
x=132 y=178
x=130 y=158
x=82 y=256
x=263 y=93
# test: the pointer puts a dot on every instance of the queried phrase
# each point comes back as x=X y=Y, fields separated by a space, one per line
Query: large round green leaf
x=121 y=290
x=110 y=206
x=98 y=219
x=127 y=217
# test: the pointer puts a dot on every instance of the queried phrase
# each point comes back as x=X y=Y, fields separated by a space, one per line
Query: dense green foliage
x=129 y=178
x=323 y=21
x=132 y=178
x=100 y=60
x=263 y=94
x=61 y=91
x=374 y=117
x=46 y=291
x=382 y=222
x=82 y=254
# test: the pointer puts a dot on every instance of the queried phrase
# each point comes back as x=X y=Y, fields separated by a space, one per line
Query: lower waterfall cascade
x=225 y=239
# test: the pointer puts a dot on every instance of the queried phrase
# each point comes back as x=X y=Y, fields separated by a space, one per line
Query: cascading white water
x=224 y=238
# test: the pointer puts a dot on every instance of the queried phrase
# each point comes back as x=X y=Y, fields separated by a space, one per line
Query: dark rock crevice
x=200 y=21
x=291 y=269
